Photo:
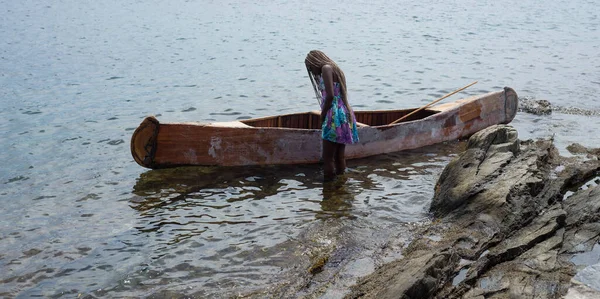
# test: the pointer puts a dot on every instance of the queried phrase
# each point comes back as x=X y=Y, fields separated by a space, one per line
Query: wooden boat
x=296 y=138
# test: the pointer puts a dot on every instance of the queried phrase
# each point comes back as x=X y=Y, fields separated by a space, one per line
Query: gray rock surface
x=534 y=106
x=510 y=216
x=543 y=107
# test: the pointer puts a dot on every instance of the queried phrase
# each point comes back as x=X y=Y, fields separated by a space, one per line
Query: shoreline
x=509 y=224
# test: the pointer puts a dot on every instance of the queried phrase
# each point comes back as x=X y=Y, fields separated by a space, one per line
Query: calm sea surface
x=80 y=217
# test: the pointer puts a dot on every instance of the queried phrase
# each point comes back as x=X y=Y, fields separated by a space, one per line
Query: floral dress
x=339 y=125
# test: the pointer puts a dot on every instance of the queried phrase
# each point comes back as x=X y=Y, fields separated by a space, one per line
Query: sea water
x=80 y=217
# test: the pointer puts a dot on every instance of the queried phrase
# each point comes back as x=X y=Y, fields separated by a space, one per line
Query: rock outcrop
x=533 y=106
x=544 y=107
x=510 y=217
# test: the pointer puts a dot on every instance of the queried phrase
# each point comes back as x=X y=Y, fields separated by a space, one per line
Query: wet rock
x=534 y=106
x=577 y=148
x=576 y=111
x=506 y=228
x=544 y=107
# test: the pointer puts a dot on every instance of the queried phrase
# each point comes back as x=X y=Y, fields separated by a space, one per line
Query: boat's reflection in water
x=231 y=228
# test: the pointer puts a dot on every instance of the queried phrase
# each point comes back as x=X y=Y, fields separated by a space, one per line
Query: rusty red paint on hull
x=236 y=143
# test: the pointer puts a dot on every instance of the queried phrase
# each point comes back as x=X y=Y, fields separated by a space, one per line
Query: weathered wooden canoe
x=296 y=138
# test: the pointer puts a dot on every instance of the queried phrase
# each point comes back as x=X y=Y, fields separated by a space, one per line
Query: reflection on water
x=218 y=228
x=337 y=198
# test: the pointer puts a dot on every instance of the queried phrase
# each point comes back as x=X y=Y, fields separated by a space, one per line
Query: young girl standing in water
x=338 y=123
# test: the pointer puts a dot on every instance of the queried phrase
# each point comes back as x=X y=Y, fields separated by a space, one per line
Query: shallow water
x=210 y=230
x=80 y=217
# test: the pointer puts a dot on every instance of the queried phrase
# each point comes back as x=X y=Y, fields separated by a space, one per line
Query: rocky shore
x=512 y=219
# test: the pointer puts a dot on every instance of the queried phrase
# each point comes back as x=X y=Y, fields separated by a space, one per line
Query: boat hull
x=156 y=145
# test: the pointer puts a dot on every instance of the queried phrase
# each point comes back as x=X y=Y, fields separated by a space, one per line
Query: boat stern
x=511 y=104
x=143 y=142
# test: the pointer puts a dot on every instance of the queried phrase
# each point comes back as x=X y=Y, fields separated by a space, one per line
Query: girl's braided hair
x=318 y=59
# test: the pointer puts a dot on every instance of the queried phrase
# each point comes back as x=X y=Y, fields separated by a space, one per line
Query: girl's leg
x=340 y=159
x=329 y=150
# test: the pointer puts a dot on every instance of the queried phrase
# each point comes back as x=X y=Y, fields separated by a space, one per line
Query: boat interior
x=310 y=120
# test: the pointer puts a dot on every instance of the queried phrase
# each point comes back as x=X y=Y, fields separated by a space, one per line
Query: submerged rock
x=576 y=111
x=578 y=149
x=544 y=107
x=533 y=106
x=511 y=216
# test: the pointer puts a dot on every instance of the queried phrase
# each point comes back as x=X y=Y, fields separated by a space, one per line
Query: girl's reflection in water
x=337 y=198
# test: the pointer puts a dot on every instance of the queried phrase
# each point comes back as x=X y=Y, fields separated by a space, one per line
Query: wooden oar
x=401 y=118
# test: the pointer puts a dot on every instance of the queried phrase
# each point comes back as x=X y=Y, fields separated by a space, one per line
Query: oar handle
x=404 y=117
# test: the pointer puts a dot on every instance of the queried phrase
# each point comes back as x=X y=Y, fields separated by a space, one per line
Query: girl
x=337 y=118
